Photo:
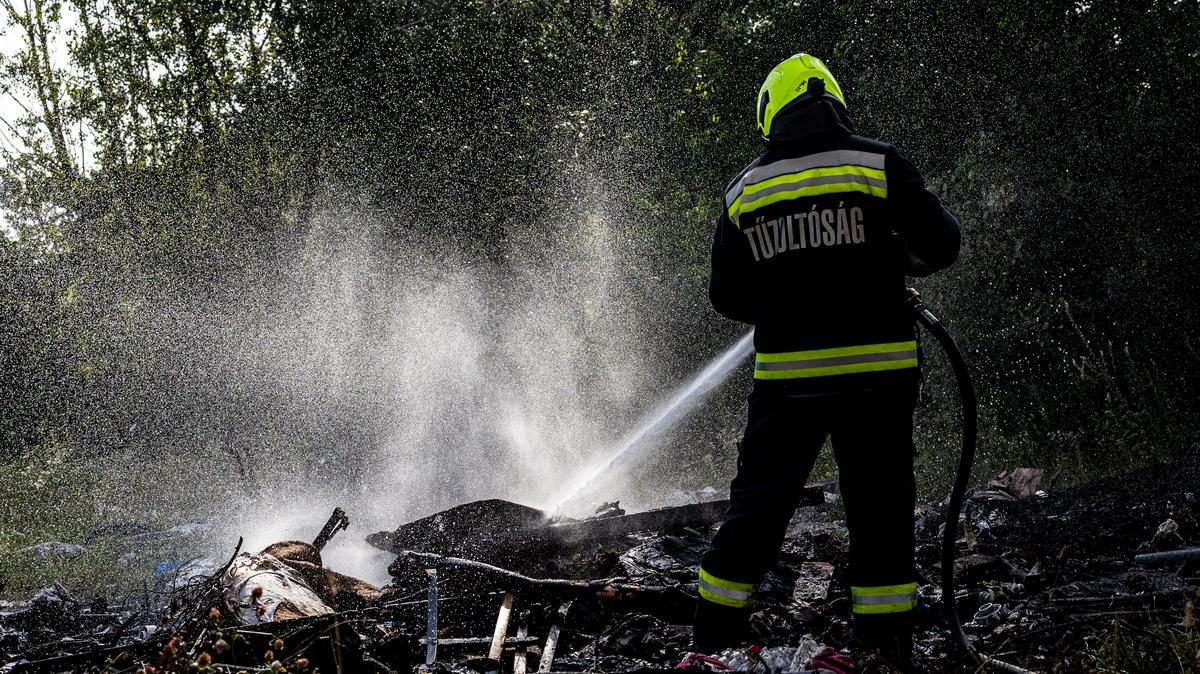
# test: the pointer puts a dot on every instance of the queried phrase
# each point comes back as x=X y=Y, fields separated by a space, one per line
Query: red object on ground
x=829 y=660
x=693 y=659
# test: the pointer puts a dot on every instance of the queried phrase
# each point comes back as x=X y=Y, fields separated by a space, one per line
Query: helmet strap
x=816 y=87
x=763 y=100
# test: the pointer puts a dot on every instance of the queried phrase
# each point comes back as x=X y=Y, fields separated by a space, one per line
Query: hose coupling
x=912 y=298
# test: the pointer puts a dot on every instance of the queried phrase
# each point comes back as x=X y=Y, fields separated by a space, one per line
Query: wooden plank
x=519 y=656
x=501 y=627
x=701 y=515
x=552 y=638
x=431 y=619
x=510 y=642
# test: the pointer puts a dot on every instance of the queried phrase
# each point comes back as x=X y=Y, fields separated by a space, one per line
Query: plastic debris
x=55 y=550
x=774 y=660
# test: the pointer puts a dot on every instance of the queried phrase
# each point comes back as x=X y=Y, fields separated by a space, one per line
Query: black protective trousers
x=871 y=433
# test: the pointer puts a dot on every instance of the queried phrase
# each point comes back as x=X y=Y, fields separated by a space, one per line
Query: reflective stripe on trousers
x=725 y=592
x=840 y=360
x=874 y=599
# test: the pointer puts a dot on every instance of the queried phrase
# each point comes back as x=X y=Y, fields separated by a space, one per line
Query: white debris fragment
x=259 y=588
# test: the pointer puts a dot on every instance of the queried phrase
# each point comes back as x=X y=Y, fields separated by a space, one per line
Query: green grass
x=1160 y=646
x=53 y=495
x=49 y=497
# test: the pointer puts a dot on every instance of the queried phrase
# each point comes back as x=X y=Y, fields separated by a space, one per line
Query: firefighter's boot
x=892 y=639
x=719 y=627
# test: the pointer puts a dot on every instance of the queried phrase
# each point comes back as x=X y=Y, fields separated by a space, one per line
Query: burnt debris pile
x=494 y=586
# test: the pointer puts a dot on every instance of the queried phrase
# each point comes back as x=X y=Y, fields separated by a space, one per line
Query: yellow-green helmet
x=789 y=81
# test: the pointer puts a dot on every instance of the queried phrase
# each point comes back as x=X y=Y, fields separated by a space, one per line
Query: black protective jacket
x=816 y=236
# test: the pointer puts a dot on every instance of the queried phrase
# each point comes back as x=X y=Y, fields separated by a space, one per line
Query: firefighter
x=813 y=243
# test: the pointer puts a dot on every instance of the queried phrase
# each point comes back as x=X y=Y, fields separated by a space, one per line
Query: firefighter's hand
x=912 y=265
x=915 y=266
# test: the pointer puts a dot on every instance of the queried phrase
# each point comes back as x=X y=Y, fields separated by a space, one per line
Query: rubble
x=494 y=586
x=1021 y=483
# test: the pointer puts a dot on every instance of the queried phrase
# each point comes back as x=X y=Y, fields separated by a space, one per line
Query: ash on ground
x=494 y=586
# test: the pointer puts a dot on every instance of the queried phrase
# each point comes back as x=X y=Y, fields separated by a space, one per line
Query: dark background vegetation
x=1062 y=134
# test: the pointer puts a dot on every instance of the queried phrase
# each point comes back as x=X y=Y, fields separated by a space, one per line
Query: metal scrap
x=338 y=521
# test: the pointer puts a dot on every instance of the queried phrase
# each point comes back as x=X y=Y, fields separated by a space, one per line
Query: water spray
x=660 y=417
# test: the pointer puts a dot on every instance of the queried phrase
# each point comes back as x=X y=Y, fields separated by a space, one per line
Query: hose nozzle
x=912 y=298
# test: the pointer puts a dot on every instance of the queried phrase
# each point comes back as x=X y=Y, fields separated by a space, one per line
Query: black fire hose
x=970 y=431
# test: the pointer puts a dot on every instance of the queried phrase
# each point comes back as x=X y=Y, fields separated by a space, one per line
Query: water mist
x=657 y=420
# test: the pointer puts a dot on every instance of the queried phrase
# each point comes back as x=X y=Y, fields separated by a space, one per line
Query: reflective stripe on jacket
x=812 y=246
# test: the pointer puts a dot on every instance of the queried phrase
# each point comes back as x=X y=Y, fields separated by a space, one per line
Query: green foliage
x=180 y=149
